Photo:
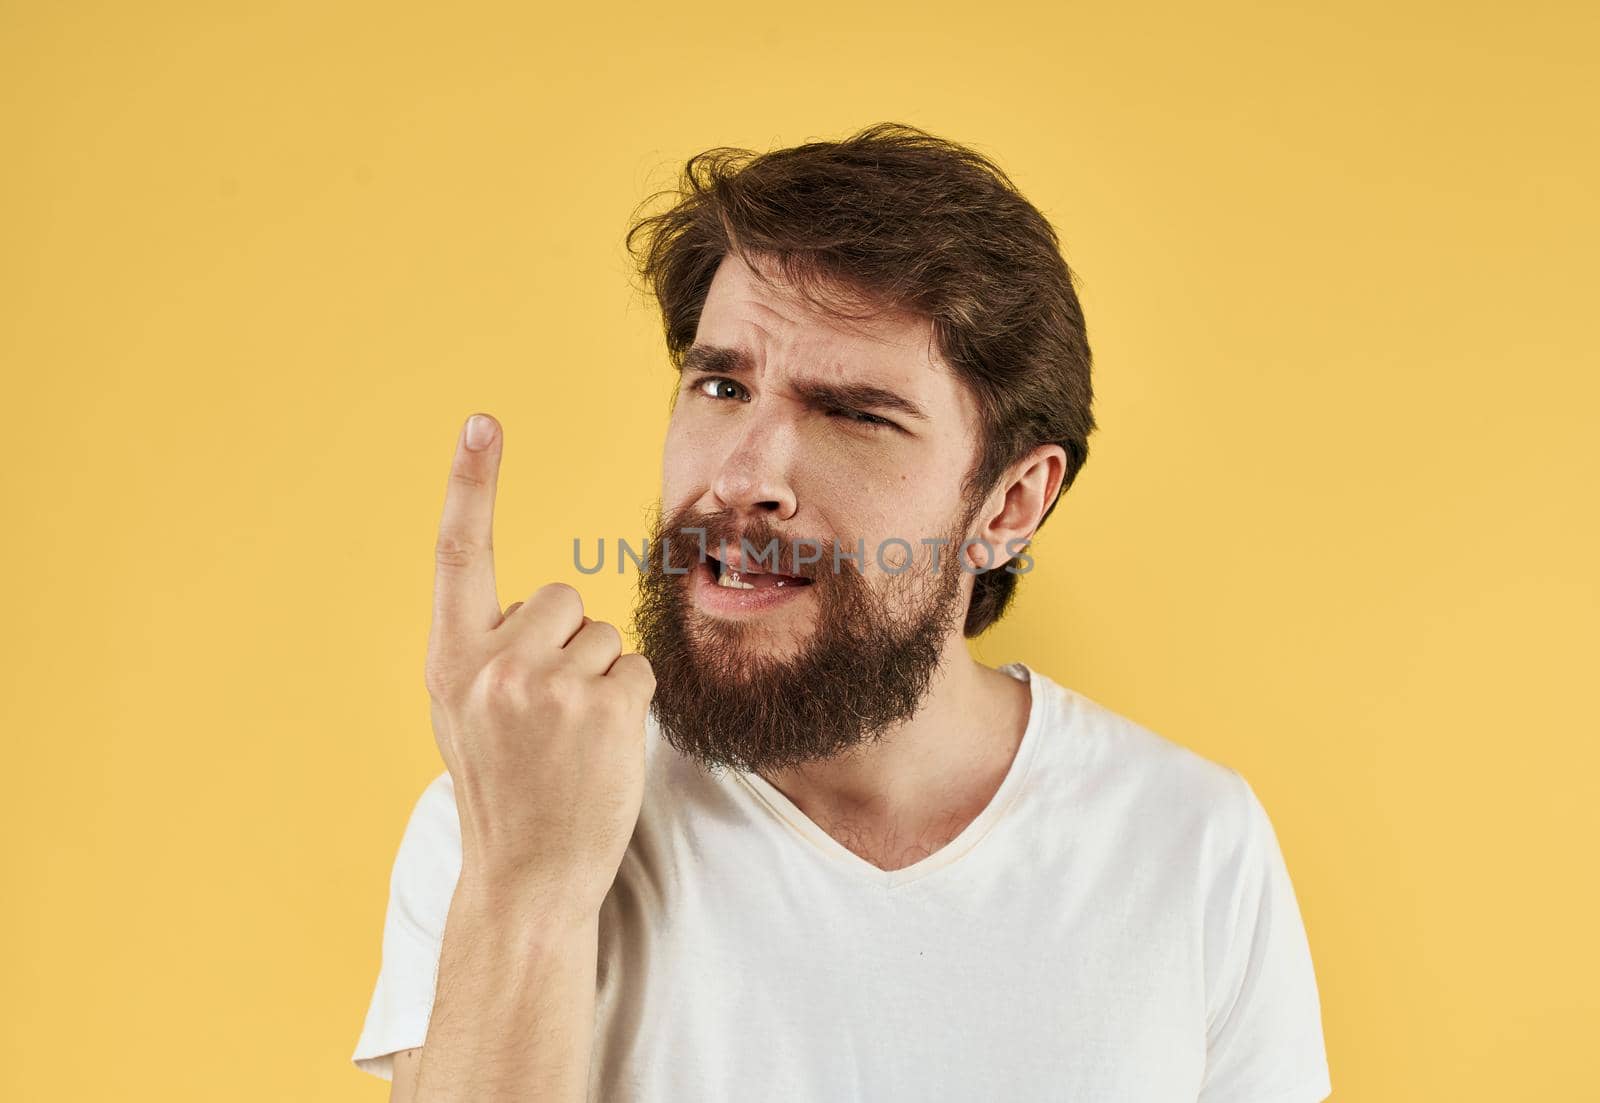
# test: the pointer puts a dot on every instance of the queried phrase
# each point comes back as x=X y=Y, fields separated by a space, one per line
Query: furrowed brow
x=721 y=360
x=857 y=396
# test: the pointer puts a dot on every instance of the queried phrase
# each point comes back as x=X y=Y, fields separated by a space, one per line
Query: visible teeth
x=730 y=580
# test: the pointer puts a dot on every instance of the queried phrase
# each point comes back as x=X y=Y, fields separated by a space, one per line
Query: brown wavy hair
x=895 y=217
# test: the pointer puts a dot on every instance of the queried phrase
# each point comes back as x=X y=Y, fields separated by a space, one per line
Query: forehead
x=788 y=336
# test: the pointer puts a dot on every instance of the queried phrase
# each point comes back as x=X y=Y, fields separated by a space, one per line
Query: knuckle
x=454 y=550
x=505 y=683
x=638 y=664
x=561 y=689
x=559 y=594
x=468 y=477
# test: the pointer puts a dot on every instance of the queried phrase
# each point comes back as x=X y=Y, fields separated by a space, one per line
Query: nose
x=754 y=475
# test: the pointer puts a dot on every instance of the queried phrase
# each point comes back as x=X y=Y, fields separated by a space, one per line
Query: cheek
x=685 y=461
x=885 y=525
x=845 y=477
x=903 y=518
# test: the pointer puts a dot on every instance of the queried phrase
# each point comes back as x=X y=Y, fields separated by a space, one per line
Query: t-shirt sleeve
x=421 y=886
x=1264 y=1039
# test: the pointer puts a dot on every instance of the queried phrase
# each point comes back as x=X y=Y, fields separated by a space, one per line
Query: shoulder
x=1114 y=763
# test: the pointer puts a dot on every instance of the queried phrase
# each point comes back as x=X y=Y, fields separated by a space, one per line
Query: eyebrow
x=721 y=360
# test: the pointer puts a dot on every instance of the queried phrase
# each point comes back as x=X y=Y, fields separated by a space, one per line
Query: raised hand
x=538 y=714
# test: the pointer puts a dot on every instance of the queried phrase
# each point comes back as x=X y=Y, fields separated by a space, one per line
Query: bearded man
x=802 y=845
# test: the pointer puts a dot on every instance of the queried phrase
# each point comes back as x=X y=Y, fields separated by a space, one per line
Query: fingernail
x=480 y=431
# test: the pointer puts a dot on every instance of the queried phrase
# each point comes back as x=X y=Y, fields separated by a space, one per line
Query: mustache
x=692 y=538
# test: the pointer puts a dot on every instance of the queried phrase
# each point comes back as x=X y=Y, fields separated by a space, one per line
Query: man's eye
x=718 y=387
x=721 y=387
x=871 y=421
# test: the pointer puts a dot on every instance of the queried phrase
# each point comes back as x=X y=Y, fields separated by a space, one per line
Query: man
x=803 y=846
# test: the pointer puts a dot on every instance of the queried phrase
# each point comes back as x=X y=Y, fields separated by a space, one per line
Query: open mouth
x=744 y=578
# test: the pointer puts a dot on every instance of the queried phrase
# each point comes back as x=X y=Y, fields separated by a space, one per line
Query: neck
x=930 y=775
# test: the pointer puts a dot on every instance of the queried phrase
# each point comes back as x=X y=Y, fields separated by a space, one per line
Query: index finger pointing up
x=465 y=601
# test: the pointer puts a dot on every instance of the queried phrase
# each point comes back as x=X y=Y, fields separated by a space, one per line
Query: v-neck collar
x=790 y=813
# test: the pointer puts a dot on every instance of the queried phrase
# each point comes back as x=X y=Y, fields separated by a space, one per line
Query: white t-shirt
x=1117 y=924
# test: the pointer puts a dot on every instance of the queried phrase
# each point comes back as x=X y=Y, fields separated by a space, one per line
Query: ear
x=1015 y=508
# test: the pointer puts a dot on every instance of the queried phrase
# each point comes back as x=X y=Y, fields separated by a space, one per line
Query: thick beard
x=864 y=669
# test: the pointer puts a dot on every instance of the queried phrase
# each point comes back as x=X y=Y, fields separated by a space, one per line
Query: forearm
x=513 y=1012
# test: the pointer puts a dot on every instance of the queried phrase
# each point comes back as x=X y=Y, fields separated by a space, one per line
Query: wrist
x=528 y=905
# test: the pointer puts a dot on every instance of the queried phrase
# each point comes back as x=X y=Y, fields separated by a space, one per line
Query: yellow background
x=258 y=262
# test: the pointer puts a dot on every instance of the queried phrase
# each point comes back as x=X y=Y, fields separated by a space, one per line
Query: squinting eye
x=871 y=421
x=722 y=388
